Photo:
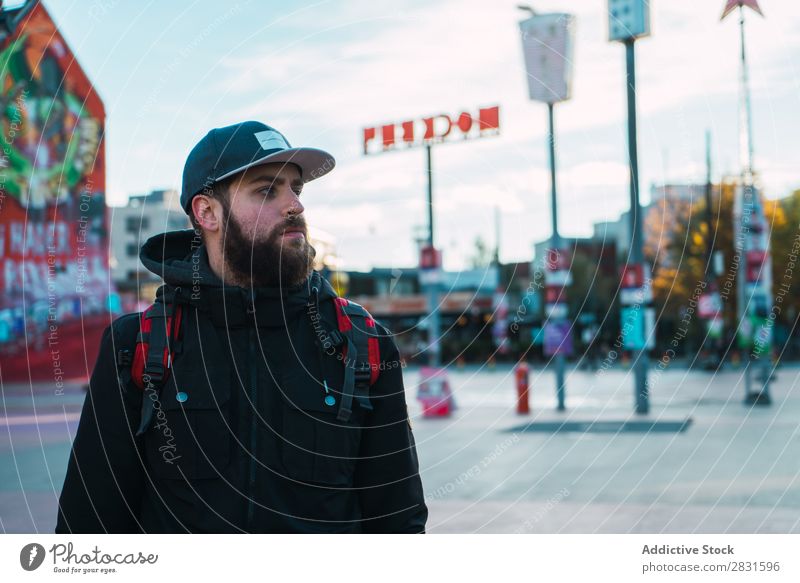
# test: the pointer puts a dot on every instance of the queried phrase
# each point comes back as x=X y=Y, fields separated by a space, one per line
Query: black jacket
x=250 y=445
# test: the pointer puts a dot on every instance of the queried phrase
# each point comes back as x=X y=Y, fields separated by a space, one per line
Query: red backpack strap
x=344 y=310
x=361 y=354
x=155 y=332
x=159 y=327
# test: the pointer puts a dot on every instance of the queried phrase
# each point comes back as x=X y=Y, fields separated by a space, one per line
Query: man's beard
x=274 y=262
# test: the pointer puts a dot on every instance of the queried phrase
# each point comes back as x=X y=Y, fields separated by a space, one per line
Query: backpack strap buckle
x=124 y=358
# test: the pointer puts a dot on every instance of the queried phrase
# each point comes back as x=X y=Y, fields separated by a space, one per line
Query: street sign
x=637 y=295
x=548 y=42
x=430 y=265
x=430 y=276
x=556 y=311
x=719 y=263
x=637 y=328
x=558 y=338
x=554 y=294
x=755 y=265
x=650 y=328
x=715 y=328
x=628 y=19
x=633 y=275
x=558 y=278
x=430 y=257
x=431 y=130
x=709 y=305
x=636 y=284
x=557 y=260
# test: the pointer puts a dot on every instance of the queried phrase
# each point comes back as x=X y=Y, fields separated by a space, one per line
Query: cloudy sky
x=321 y=71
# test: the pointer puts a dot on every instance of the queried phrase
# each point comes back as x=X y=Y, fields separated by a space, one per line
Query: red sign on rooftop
x=431 y=130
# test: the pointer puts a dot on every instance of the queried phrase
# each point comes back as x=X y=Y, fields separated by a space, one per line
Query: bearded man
x=255 y=420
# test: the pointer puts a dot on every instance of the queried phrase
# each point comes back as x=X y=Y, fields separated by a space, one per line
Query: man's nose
x=295 y=207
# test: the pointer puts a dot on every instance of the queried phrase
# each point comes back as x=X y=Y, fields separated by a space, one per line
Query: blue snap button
x=330 y=400
x=182 y=397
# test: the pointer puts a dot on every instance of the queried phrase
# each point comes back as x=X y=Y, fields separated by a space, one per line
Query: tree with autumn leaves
x=676 y=242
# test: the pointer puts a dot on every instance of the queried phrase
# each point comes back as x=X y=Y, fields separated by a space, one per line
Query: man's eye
x=298 y=191
x=267 y=191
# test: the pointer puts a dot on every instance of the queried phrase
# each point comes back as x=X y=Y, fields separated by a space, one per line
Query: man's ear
x=207 y=212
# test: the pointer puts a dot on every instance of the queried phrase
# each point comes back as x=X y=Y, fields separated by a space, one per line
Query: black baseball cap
x=226 y=151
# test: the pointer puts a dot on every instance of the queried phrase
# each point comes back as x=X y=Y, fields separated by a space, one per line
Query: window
x=132 y=250
x=136 y=224
x=175 y=221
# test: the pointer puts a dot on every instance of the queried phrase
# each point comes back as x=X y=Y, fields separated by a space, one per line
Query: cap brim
x=313 y=163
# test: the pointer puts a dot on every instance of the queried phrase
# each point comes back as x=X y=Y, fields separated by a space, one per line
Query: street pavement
x=37 y=425
x=700 y=461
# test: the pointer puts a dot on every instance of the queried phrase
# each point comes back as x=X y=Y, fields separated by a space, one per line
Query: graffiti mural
x=54 y=279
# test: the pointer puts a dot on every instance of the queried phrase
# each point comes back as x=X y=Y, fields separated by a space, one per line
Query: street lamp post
x=547 y=43
x=434 y=322
x=555 y=243
x=627 y=21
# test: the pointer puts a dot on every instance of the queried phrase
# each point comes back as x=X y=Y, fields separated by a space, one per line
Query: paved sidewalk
x=730 y=469
x=705 y=463
x=36 y=430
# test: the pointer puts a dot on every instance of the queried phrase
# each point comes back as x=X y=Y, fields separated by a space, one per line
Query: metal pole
x=497 y=236
x=555 y=243
x=551 y=141
x=748 y=194
x=745 y=153
x=709 y=210
x=745 y=138
x=636 y=251
x=430 y=193
x=739 y=250
x=710 y=272
x=433 y=288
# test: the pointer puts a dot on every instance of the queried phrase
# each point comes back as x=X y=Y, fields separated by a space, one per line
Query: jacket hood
x=181 y=259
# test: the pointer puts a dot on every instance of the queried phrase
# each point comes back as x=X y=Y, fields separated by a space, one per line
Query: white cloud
x=353 y=219
x=596 y=175
x=366 y=63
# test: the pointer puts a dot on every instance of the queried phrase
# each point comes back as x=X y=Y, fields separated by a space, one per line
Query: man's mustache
x=293 y=223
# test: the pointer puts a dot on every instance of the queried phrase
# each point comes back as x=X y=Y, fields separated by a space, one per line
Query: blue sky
x=321 y=71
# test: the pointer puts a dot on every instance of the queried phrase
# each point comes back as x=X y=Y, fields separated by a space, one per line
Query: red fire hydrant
x=521 y=377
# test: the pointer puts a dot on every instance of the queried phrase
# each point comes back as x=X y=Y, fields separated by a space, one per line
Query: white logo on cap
x=270 y=139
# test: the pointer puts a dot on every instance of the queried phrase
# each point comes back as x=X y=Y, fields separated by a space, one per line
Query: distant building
x=685 y=192
x=664 y=197
x=144 y=216
x=471 y=304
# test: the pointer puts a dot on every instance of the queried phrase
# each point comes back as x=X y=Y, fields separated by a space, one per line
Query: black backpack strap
x=160 y=338
x=350 y=334
x=348 y=389
x=124 y=356
x=357 y=366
